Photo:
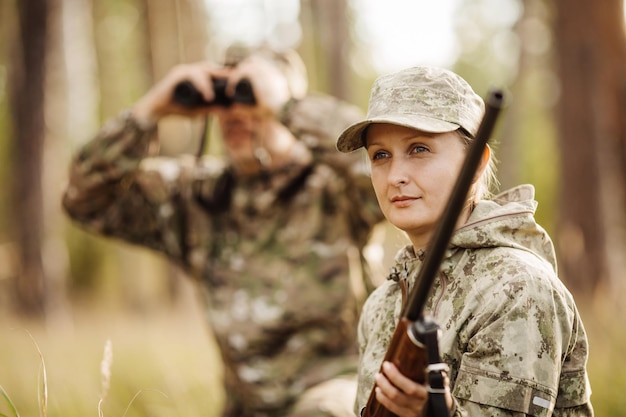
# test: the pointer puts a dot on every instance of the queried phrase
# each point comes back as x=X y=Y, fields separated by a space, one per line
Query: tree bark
x=27 y=108
x=591 y=57
x=324 y=24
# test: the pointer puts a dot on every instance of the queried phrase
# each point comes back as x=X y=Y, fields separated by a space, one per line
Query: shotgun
x=413 y=336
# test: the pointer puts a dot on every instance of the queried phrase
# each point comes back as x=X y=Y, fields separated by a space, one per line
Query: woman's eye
x=420 y=149
x=379 y=155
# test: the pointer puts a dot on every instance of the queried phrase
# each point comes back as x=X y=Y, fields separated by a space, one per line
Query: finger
x=234 y=78
x=200 y=74
x=250 y=69
x=201 y=80
x=270 y=86
x=406 y=385
x=387 y=387
x=392 y=394
x=395 y=407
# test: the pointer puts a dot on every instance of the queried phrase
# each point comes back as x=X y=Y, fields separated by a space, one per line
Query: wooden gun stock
x=407 y=349
x=409 y=358
x=408 y=352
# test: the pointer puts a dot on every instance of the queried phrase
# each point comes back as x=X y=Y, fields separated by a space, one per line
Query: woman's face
x=413 y=174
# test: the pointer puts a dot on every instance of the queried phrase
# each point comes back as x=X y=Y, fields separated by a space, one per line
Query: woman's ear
x=484 y=162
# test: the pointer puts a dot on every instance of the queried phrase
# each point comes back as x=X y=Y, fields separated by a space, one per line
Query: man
x=273 y=231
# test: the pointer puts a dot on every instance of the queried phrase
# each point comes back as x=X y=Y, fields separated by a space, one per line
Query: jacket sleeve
x=116 y=189
x=526 y=349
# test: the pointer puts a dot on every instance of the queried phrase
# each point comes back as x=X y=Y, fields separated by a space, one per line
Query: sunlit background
x=390 y=34
x=107 y=53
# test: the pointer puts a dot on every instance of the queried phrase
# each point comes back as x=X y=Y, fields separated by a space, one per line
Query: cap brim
x=352 y=138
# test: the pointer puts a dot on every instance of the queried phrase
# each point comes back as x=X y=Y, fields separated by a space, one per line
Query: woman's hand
x=401 y=395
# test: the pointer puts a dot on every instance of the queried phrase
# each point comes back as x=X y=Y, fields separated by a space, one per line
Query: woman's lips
x=402 y=201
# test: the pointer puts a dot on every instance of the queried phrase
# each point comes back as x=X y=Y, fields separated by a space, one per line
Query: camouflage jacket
x=511 y=332
x=274 y=253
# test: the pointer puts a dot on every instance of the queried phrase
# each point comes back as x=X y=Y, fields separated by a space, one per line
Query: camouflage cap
x=429 y=99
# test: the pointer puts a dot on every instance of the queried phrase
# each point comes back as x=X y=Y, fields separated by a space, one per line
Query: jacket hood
x=507 y=220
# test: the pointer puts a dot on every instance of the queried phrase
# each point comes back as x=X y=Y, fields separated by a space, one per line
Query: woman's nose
x=398 y=173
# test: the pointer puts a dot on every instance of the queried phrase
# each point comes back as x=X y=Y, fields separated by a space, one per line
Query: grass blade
x=105 y=374
x=42 y=381
x=42 y=395
x=9 y=402
x=137 y=395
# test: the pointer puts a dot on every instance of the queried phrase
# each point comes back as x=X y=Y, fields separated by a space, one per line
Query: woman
x=511 y=333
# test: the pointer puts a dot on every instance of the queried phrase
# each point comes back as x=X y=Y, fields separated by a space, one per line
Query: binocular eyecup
x=187 y=95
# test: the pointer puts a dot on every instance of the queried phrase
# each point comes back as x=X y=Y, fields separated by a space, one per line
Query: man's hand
x=158 y=101
x=270 y=86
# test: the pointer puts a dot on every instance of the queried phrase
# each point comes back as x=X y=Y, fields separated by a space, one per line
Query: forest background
x=69 y=299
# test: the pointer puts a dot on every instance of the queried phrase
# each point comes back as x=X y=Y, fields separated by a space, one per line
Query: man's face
x=246 y=128
x=242 y=128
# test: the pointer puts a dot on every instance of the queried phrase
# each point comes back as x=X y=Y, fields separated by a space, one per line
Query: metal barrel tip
x=496 y=97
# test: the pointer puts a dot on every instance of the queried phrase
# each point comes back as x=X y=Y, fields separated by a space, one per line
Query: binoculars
x=187 y=95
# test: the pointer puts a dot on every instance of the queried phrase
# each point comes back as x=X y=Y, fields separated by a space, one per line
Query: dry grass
x=604 y=324
x=161 y=363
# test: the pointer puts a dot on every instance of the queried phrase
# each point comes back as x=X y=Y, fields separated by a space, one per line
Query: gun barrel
x=445 y=227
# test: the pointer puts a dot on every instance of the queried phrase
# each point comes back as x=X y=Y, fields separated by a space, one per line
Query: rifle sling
x=435 y=372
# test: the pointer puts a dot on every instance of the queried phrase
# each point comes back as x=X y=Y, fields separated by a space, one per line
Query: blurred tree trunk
x=327 y=22
x=151 y=36
x=518 y=114
x=27 y=108
x=176 y=31
x=591 y=56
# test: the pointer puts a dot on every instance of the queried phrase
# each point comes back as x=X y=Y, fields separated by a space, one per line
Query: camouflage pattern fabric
x=273 y=253
x=511 y=332
x=429 y=99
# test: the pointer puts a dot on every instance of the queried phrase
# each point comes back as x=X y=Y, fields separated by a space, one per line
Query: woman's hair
x=483 y=188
